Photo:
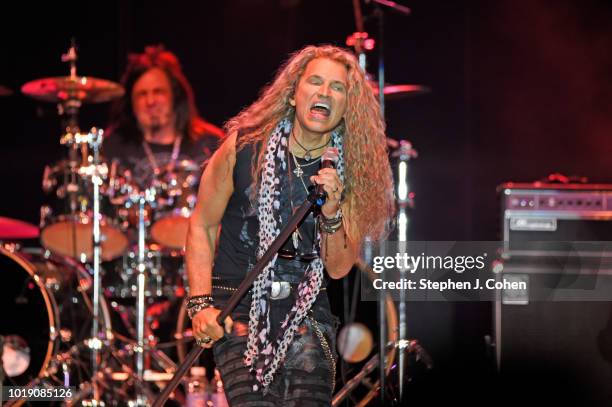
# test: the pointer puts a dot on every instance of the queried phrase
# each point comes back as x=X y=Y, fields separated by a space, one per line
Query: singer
x=279 y=347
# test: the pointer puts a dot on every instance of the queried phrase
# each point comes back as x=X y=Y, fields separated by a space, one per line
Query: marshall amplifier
x=560 y=349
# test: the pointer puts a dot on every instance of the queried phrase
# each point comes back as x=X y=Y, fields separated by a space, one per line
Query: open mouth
x=320 y=109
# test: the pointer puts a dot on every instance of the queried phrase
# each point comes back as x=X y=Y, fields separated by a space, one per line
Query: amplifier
x=556 y=212
x=562 y=350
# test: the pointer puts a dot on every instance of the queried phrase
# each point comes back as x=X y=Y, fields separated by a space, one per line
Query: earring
x=292 y=102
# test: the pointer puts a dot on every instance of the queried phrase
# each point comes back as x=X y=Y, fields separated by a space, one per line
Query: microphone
x=329 y=159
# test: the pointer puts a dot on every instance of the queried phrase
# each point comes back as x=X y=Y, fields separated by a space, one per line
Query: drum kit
x=78 y=310
x=81 y=309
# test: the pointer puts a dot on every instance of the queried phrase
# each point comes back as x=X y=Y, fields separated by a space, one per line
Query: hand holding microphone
x=328 y=182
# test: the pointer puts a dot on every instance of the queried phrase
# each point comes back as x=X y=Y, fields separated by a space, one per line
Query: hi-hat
x=16 y=229
x=393 y=92
x=83 y=88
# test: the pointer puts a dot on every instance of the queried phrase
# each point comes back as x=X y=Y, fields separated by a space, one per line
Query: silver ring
x=204 y=341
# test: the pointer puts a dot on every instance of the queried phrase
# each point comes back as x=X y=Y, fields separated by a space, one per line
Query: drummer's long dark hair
x=188 y=122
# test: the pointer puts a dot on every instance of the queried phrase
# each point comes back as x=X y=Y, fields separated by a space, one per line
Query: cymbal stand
x=94 y=138
x=71 y=104
x=405 y=202
x=70 y=107
x=361 y=43
x=144 y=197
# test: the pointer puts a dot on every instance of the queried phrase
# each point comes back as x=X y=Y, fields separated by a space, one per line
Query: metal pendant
x=280 y=290
x=298 y=172
x=307 y=156
x=295 y=236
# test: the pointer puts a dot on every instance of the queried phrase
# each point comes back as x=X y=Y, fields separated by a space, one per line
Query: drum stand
x=405 y=202
x=142 y=348
x=75 y=140
x=98 y=339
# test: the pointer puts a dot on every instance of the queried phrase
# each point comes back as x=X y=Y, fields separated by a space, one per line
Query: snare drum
x=46 y=314
x=176 y=198
x=67 y=217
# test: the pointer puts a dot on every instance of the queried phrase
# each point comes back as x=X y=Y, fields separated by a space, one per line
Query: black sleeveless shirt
x=238 y=242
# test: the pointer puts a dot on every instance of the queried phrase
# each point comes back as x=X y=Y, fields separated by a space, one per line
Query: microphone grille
x=331 y=154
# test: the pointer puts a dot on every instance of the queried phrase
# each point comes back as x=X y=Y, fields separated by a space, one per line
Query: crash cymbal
x=393 y=92
x=16 y=229
x=83 y=88
x=4 y=91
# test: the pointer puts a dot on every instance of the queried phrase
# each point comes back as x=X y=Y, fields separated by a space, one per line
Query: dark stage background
x=519 y=90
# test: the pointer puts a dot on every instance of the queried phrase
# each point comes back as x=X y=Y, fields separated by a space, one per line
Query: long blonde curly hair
x=369 y=199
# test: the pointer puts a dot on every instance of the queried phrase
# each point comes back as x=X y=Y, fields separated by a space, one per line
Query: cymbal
x=16 y=229
x=83 y=88
x=4 y=91
x=393 y=92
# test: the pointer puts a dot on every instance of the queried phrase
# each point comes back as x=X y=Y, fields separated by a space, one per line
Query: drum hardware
x=53 y=292
x=143 y=278
x=361 y=42
x=67 y=220
x=78 y=182
x=144 y=347
x=361 y=378
x=165 y=279
x=141 y=199
x=405 y=203
x=67 y=227
x=84 y=228
x=94 y=139
x=177 y=195
x=73 y=90
x=403 y=152
x=128 y=274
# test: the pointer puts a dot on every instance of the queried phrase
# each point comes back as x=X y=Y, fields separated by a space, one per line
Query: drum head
x=171 y=232
x=75 y=239
x=46 y=311
x=27 y=315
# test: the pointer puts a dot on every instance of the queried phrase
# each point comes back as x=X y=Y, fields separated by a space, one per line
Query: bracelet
x=337 y=217
x=191 y=312
x=207 y=297
x=199 y=299
x=197 y=303
x=330 y=230
x=331 y=227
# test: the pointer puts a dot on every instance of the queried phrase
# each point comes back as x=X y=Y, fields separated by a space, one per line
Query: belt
x=279 y=289
x=292 y=255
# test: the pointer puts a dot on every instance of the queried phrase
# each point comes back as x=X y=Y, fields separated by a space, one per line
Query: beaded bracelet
x=336 y=218
x=330 y=229
x=331 y=225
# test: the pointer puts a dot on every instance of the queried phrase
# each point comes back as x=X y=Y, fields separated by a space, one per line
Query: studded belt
x=278 y=291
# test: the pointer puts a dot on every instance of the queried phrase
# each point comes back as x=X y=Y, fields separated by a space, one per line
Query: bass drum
x=46 y=317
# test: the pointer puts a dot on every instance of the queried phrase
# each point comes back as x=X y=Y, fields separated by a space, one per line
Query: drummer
x=155 y=125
